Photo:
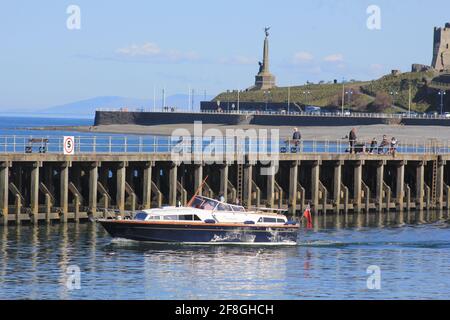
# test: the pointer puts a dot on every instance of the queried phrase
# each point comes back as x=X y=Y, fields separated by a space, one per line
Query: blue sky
x=127 y=48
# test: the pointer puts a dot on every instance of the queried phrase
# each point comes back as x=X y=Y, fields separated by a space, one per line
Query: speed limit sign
x=69 y=145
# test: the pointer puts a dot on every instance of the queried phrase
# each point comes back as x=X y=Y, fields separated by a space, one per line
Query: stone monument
x=264 y=80
x=441 y=48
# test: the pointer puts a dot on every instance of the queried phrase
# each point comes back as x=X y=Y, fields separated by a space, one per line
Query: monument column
x=264 y=80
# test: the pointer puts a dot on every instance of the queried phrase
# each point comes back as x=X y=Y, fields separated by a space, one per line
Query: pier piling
x=51 y=187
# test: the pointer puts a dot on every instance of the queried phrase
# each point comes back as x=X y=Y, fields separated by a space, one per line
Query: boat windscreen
x=237 y=208
x=204 y=203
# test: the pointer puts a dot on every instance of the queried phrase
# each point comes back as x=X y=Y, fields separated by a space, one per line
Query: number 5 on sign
x=69 y=145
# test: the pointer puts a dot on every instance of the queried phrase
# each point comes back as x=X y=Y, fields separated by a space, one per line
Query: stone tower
x=441 y=48
x=264 y=79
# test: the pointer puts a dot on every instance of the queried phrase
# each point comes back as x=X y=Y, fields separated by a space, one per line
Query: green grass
x=329 y=95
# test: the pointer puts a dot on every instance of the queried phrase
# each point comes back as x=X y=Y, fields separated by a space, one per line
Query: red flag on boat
x=307 y=215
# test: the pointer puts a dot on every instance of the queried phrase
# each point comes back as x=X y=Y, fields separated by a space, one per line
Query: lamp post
x=238 y=106
x=442 y=93
x=289 y=99
x=306 y=93
x=393 y=94
x=349 y=93
x=343 y=95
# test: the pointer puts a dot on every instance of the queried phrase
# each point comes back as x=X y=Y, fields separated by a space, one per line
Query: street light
x=306 y=93
x=442 y=93
x=349 y=93
x=343 y=94
x=393 y=94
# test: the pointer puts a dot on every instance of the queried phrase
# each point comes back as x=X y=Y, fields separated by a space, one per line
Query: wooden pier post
x=120 y=193
x=400 y=186
x=93 y=177
x=315 y=179
x=293 y=182
x=64 y=191
x=357 y=185
x=173 y=179
x=198 y=178
x=408 y=198
x=379 y=186
x=224 y=181
x=270 y=186
x=440 y=184
x=34 y=192
x=420 y=185
x=147 y=187
x=337 y=181
x=4 y=182
x=248 y=183
x=18 y=205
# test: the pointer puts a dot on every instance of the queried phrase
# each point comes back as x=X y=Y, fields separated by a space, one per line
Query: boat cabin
x=207 y=210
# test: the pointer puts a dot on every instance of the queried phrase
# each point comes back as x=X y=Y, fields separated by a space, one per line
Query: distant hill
x=88 y=106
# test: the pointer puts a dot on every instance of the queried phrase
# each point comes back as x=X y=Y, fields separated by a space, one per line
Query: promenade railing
x=337 y=114
x=16 y=144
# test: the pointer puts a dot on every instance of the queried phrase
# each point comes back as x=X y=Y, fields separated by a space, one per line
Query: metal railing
x=337 y=114
x=164 y=144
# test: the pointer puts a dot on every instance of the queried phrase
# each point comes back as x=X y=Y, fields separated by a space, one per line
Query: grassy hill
x=367 y=95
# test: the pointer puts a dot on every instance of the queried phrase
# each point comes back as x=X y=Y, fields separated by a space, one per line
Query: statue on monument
x=266 y=31
x=261 y=66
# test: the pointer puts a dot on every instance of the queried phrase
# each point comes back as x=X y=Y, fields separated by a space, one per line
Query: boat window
x=260 y=220
x=171 y=217
x=186 y=217
x=203 y=203
x=153 y=217
x=223 y=207
x=209 y=205
x=140 y=216
x=196 y=218
x=237 y=208
x=281 y=220
x=197 y=203
x=270 y=220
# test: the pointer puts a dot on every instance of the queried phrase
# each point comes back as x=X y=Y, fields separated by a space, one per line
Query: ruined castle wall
x=441 y=49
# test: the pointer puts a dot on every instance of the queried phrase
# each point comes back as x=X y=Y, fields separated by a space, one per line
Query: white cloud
x=302 y=57
x=147 y=49
x=152 y=51
x=337 y=57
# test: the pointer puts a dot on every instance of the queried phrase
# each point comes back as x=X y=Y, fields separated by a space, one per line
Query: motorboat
x=205 y=220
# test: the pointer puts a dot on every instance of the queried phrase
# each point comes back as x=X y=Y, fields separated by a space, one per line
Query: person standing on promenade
x=373 y=145
x=352 y=140
x=393 y=146
x=382 y=149
x=296 y=136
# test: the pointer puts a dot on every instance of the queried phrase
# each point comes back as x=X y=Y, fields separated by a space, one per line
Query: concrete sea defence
x=158 y=118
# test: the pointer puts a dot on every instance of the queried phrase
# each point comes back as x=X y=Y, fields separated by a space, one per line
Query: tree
x=382 y=102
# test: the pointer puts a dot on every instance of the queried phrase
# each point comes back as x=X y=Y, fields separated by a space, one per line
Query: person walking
x=296 y=139
x=383 y=145
x=393 y=146
x=352 y=140
x=373 y=145
x=296 y=136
